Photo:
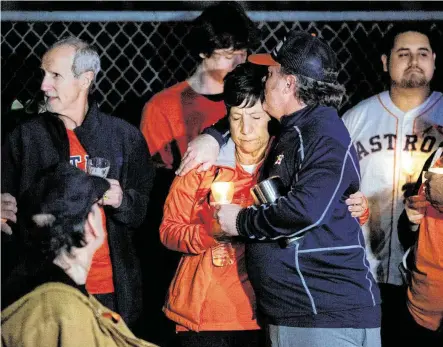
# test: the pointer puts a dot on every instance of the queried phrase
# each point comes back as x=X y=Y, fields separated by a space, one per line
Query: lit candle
x=408 y=166
x=222 y=192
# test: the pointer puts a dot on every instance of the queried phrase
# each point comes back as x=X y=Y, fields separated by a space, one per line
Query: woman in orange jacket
x=214 y=305
x=210 y=297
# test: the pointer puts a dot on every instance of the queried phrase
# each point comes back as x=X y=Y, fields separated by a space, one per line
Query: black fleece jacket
x=43 y=141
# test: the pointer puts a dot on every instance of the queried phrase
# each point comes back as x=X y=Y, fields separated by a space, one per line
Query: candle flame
x=408 y=166
x=222 y=192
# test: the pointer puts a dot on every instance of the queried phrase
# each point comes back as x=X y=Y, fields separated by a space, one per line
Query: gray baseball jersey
x=392 y=146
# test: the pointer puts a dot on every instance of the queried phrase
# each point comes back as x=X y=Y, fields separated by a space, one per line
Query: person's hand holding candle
x=222 y=193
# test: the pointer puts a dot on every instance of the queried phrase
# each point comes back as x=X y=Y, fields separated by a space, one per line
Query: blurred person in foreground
x=50 y=306
x=420 y=230
x=309 y=271
x=73 y=129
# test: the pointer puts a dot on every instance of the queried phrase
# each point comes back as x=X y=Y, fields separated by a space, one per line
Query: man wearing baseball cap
x=309 y=268
x=47 y=303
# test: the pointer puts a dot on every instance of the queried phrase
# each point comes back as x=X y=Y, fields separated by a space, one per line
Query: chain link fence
x=141 y=58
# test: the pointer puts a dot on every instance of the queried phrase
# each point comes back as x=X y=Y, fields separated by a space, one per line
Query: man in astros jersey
x=394 y=133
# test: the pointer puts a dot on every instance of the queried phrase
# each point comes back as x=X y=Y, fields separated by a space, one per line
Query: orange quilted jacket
x=202 y=296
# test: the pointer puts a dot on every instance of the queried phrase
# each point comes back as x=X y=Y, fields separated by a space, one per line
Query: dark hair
x=223 y=25
x=313 y=92
x=47 y=242
x=244 y=84
x=400 y=28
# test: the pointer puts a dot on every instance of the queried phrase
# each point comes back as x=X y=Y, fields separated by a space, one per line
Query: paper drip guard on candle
x=436 y=170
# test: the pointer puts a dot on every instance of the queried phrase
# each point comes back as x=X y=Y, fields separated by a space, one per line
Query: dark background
x=199 y=5
x=141 y=59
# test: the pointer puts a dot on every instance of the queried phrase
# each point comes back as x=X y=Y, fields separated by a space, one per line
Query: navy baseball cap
x=63 y=191
x=302 y=54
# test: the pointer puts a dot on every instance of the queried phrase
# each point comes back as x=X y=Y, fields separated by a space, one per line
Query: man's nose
x=239 y=59
x=243 y=57
x=414 y=59
x=46 y=85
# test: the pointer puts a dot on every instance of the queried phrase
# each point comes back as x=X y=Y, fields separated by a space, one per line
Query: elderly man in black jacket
x=74 y=129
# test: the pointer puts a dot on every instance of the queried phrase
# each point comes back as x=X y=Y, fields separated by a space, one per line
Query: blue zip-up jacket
x=323 y=279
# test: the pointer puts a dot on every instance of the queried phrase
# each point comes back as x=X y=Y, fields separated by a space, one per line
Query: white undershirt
x=249 y=168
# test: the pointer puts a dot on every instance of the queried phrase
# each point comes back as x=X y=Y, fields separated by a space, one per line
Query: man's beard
x=411 y=82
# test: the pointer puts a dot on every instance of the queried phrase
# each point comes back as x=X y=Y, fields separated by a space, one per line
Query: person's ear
x=291 y=82
x=384 y=60
x=86 y=79
x=203 y=56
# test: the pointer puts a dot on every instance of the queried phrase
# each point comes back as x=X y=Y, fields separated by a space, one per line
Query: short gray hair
x=86 y=57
